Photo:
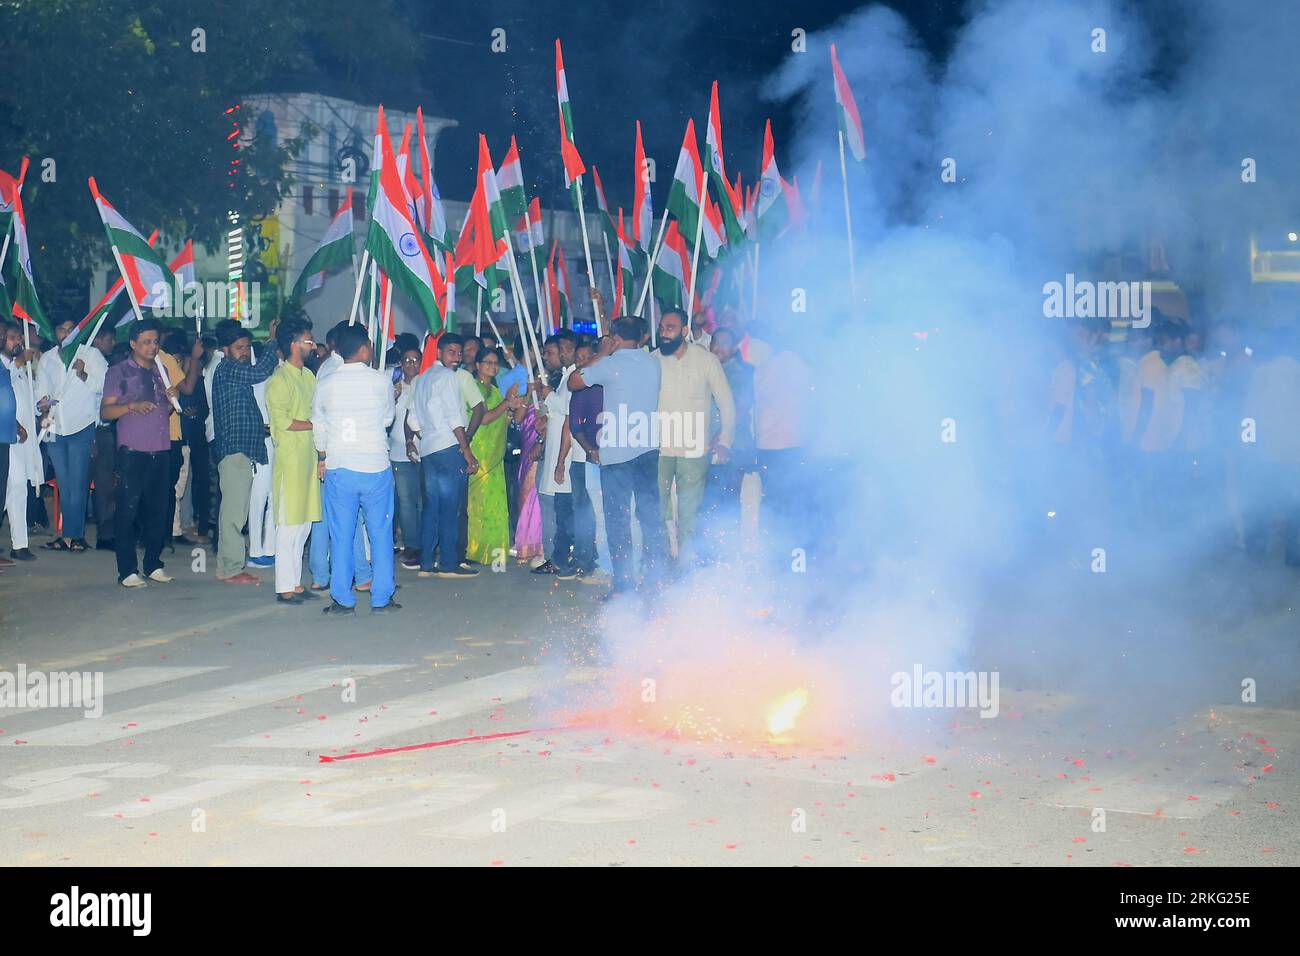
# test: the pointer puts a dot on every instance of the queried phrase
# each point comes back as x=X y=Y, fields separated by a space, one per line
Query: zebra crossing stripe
x=133 y=678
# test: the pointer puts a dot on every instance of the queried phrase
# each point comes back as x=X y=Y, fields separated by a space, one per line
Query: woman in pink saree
x=528 y=529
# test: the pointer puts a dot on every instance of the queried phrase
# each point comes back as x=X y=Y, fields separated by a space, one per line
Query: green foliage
x=117 y=90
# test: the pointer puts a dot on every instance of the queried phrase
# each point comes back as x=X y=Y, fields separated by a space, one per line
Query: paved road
x=218 y=705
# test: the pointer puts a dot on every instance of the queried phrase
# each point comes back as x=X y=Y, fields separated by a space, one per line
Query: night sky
x=652 y=62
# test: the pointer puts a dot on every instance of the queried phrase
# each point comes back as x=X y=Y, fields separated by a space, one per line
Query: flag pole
x=356 y=295
x=695 y=255
x=63 y=385
x=586 y=251
x=753 y=298
x=135 y=306
x=4 y=250
x=374 y=294
x=523 y=320
x=388 y=326
x=478 y=312
x=517 y=287
x=537 y=287
x=649 y=273
x=609 y=267
x=848 y=224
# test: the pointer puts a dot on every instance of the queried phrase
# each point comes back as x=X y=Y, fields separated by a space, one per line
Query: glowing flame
x=787 y=711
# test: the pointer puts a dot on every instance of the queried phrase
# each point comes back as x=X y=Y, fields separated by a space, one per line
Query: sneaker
x=457 y=573
x=467 y=563
x=265 y=561
x=182 y=540
x=338 y=610
x=22 y=554
x=567 y=574
x=307 y=595
x=410 y=564
x=134 y=581
x=161 y=576
x=546 y=567
x=392 y=607
x=288 y=599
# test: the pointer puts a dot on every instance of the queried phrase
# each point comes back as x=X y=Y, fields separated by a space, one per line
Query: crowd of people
x=452 y=458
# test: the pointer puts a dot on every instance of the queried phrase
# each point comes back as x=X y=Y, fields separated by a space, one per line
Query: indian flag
x=625 y=275
x=672 y=272
x=642 y=208
x=9 y=189
x=432 y=218
x=119 y=310
x=114 y=306
x=573 y=167
x=847 y=110
x=510 y=181
x=334 y=251
x=731 y=211
x=772 y=213
x=143 y=266
x=684 y=196
x=394 y=240
x=714 y=236
x=26 y=306
x=529 y=237
x=557 y=284
x=606 y=221
x=491 y=191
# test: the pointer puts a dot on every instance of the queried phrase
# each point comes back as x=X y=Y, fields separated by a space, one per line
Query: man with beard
x=692 y=382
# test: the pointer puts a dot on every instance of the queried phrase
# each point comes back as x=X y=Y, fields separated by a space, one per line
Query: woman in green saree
x=489 y=516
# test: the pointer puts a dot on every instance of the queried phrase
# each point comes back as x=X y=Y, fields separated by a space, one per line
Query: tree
x=144 y=95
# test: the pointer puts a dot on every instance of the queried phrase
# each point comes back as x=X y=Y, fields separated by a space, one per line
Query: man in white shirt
x=438 y=416
x=25 y=467
x=261 y=516
x=68 y=397
x=351 y=413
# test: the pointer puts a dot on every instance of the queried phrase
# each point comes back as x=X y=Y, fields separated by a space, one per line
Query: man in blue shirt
x=629 y=449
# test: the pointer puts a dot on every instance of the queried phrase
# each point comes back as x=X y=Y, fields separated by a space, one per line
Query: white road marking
x=130 y=678
x=428 y=794
x=405 y=714
x=199 y=706
x=568 y=802
x=216 y=782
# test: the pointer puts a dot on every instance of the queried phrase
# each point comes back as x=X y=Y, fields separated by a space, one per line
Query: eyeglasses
x=410 y=361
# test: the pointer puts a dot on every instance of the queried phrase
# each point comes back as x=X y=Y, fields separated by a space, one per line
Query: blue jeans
x=584 y=519
x=345 y=493
x=619 y=483
x=406 y=486
x=318 y=557
x=70 y=455
x=443 y=476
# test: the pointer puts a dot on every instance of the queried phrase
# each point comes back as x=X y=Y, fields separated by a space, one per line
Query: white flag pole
x=356 y=295
x=609 y=267
x=848 y=225
x=478 y=312
x=695 y=256
x=388 y=326
x=586 y=251
x=518 y=287
x=654 y=257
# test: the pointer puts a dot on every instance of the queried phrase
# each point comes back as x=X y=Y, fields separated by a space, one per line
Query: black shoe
x=566 y=574
x=181 y=539
x=22 y=554
x=545 y=568
x=308 y=596
x=338 y=610
x=105 y=544
x=392 y=607
x=291 y=599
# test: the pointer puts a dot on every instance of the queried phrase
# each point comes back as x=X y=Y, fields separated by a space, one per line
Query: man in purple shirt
x=135 y=398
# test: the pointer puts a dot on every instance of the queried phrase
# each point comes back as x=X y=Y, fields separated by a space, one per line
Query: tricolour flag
x=394 y=240
x=642 y=207
x=847 y=110
x=120 y=313
x=110 y=307
x=335 y=250
x=625 y=275
x=730 y=201
x=772 y=213
x=10 y=186
x=432 y=218
x=714 y=237
x=684 y=196
x=672 y=273
x=510 y=182
x=529 y=237
x=143 y=266
x=573 y=167
x=491 y=191
x=606 y=221
x=557 y=284
x=26 y=306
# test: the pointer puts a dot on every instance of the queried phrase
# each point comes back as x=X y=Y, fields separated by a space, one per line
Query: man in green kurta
x=295 y=484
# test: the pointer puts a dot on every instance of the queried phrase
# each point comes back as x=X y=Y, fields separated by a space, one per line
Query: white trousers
x=182 y=485
x=261 y=520
x=16 y=504
x=290 y=540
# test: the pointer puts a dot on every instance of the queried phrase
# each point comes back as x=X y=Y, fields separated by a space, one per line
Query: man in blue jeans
x=351 y=413
x=628 y=450
x=437 y=416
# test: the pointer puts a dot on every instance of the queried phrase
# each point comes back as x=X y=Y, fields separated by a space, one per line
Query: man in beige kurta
x=295 y=491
